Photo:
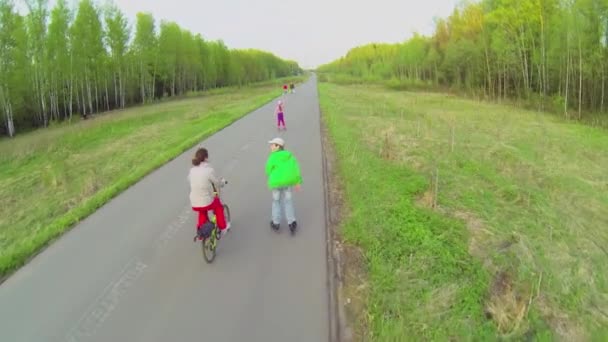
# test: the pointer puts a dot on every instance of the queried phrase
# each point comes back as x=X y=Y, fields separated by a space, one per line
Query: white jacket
x=201 y=191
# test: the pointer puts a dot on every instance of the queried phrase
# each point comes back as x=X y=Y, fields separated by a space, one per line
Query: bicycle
x=209 y=243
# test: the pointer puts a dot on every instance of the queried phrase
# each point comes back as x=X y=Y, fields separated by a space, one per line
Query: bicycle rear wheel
x=208 y=247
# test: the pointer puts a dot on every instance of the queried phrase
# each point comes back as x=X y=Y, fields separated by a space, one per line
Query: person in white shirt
x=203 y=183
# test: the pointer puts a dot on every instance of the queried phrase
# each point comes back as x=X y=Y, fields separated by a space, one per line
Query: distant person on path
x=284 y=89
x=283 y=172
x=280 y=113
x=203 y=182
x=292 y=88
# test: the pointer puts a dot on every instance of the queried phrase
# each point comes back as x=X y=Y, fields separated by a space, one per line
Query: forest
x=61 y=62
x=552 y=54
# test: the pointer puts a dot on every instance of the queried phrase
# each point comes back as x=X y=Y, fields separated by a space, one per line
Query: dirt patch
x=506 y=305
x=564 y=326
x=426 y=200
x=91 y=187
x=350 y=262
x=508 y=302
x=442 y=300
x=388 y=146
x=480 y=238
x=355 y=290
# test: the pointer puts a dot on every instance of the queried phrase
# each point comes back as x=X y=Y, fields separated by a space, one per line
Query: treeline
x=551 y=52
x=60 y=62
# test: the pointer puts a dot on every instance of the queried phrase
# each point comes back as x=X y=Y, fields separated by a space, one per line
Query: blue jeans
x=287 y=204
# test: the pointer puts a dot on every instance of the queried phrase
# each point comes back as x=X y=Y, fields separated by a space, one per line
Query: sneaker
x=292 y=226
x=197 y=237
x=274 y=226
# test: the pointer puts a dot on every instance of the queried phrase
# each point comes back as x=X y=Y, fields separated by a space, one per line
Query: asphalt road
x=130 y=271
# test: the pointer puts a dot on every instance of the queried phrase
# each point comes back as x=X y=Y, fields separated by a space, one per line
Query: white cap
x=277 y=141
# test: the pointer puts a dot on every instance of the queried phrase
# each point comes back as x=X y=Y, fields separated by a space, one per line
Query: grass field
x=52 y=178
x=473 y=221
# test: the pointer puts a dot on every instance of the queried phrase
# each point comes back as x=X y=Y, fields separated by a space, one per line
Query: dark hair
x=200 y=156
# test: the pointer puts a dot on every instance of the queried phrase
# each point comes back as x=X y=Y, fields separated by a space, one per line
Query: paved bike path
x=130 y=271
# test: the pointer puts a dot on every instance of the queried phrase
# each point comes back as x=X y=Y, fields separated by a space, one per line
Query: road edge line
x=337 y=320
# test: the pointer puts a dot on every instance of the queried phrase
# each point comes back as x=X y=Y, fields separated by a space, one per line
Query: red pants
x=218 y=210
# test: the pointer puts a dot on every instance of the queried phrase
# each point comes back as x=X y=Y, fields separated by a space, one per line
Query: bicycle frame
x=212 y=241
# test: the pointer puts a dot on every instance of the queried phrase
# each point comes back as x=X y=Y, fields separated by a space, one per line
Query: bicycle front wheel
x=227 y=213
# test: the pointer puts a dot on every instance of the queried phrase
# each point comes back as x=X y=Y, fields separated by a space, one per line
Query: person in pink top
x=279 y=112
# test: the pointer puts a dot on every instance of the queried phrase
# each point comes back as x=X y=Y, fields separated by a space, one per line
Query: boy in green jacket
x=283 y=173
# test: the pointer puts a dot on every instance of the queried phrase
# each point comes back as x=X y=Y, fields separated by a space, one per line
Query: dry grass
x=481 y=239
x=506 y=305
x=52 y=178
x=531 y=190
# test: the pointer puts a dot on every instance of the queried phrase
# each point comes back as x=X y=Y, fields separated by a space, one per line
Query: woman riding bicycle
x=203 y=196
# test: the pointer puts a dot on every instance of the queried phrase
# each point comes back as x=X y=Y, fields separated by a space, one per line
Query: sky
x=311 y=32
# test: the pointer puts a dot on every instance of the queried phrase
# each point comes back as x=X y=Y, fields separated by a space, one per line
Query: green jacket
x=283 y=170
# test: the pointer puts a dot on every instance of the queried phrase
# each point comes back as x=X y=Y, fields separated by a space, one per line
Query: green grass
x=52 y=178
x=519 y=232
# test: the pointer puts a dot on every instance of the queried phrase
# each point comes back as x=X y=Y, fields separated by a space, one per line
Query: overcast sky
x=311 y=32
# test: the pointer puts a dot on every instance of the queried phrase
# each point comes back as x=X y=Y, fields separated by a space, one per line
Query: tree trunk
x=116 y=91
x=43 y=106
x=83 y=103
x=55 y=97
x=36 y=96
x=10 y=123
x=602 y=96
x=567 y=81
x=122 y=91
x=67 y=112
x=505 y=82
x=71 y=85
x=5 y=105
x=489 y=71
x=561 y=77
x=543 y=62
x=524 y=61
x=580 y=77
x=90 y=96
x=52 y=104
x=77 y=92
x=105 y=81
x=153 y=92
x=96 y=94
x=143 y=83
